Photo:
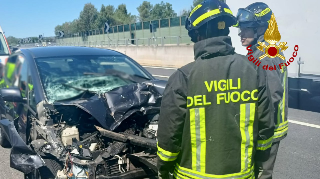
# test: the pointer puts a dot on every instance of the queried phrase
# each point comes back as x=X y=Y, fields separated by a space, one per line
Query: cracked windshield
x=67 y=77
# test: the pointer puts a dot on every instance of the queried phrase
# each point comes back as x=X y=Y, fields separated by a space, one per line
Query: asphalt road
x=298 y=156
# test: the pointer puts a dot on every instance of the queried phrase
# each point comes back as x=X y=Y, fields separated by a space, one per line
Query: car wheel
x=3 y=140
x=33 y=175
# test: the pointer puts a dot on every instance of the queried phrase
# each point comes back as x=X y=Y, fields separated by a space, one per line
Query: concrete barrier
x=161 y=56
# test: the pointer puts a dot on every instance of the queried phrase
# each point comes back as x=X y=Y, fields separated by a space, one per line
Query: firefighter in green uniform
x=253 y=22
x=215 y=118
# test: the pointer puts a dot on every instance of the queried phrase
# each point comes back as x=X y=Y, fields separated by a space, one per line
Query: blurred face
x=247 y=36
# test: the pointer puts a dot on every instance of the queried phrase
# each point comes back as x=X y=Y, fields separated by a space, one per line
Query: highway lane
x=160 y=72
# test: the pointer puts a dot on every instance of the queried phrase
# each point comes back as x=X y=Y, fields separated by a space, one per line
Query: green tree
x=73 y=26
x=87 y=19
x=106 y=15
x=185 y=12
x=57 y=29
x=145 y=11
x=162 y=11
x=12 y=40
x=196 y=2
x=122 y=16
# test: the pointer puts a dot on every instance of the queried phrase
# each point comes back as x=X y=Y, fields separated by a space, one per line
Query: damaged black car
x=78 y=112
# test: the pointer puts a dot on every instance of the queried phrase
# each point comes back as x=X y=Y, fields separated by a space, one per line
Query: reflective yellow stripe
x=281 y=126
x=243 y=135
x=198 y=138
x=264 y=144
x=195 y=8
x=237 y=25
x=195 y=174
x=281 y=133
x=247 y=113
x=166 y=155
x=178 y=175
x=205 y=15
x=228 y=11
x=203 y=139
x=252 y=116
x=282 y=104
x=193 y=139
x=264 y=12
x=167 y=152
x=284 y=95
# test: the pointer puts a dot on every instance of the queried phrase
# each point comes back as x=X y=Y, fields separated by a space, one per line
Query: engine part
x=68 y=134
x=147 y=159
x=93 y=147
x=120 y=163
x=133 y=139
x=61 y=175
x=153 y=126
x=79 y=172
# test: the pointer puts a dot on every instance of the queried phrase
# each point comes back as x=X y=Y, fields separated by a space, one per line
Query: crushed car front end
x=92 y=124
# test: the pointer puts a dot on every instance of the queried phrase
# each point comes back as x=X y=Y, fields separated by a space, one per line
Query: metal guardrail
x=152 y=41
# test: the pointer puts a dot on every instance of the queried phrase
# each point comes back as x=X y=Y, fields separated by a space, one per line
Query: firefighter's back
x=220 y=128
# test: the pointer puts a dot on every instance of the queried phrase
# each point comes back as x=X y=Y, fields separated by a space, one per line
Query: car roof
x=61 y=51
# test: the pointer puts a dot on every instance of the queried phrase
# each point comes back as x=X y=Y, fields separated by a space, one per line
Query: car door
x=21 y=81
x=8 y=81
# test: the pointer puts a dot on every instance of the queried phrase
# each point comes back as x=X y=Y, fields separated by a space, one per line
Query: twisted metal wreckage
x=108 y=135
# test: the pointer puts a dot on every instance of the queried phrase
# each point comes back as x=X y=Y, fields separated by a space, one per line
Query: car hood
x=113 y=107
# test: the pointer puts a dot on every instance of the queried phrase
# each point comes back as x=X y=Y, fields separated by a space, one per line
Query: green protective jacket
x=215 y=118
x=278 y=86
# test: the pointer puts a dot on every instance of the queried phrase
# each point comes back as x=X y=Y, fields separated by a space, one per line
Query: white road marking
x=304 y=124
x=160 y=76
x=166 y=68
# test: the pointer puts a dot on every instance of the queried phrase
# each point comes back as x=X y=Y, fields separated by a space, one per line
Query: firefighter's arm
x=171 y=121
x=265 y=112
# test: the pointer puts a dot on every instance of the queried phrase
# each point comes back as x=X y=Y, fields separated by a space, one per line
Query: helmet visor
x=245 y=16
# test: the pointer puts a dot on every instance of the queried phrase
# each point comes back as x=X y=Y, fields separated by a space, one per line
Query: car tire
x=3 y=140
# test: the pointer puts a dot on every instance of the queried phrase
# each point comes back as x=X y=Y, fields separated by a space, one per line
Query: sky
x=30 y=18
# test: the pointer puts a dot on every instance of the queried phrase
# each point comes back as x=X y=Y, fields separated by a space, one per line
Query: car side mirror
x=12 y=95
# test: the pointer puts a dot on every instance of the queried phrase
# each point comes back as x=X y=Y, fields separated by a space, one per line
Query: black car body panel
x=22 y=157
x=126 y=111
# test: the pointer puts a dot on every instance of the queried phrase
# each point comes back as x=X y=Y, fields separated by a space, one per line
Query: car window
x=31 y=96
x=66 y=77
x=3 y=46
x=10 y=70
x=21 y=75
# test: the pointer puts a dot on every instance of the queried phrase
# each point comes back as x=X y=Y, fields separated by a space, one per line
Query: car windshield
x=67 y=77
x=3 y=46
